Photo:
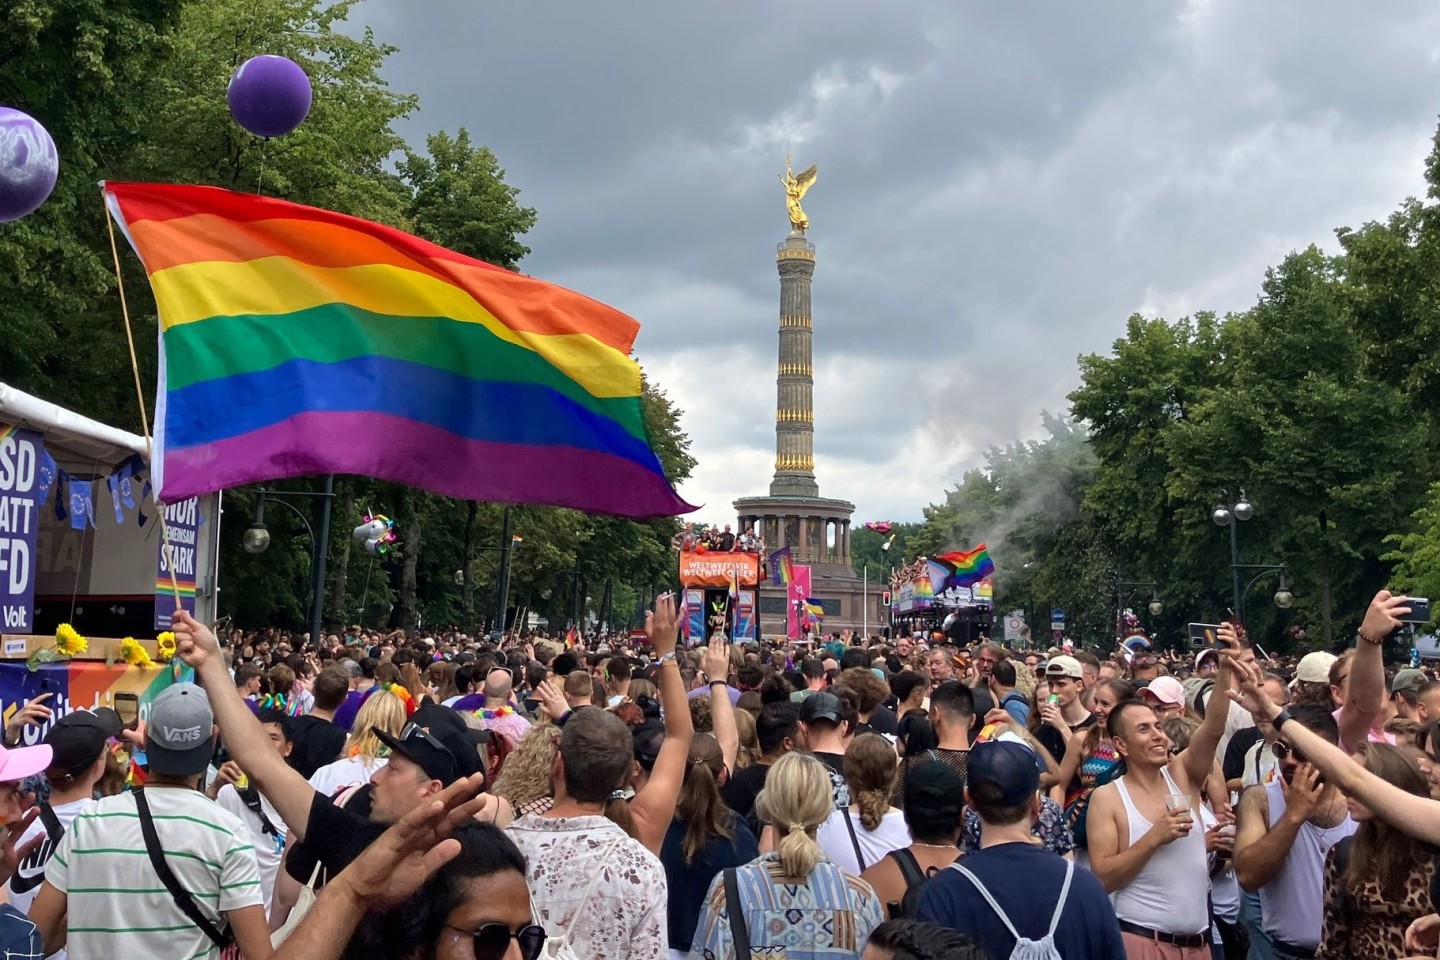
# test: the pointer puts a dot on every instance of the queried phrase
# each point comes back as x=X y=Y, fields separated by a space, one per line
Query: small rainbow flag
x=971 y=566
x=299 y=341
x=814 y=608
x=570 y=638
x=782 y=567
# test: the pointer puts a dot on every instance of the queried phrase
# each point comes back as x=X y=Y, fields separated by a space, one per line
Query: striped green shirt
x=117 y=905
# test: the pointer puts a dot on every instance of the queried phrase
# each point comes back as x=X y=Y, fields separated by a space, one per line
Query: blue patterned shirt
x=828 y=917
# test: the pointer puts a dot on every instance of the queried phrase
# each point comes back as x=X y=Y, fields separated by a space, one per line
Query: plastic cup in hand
x=1177 y=801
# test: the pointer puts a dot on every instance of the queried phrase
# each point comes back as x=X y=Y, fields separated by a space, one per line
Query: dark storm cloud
x=1001 y=186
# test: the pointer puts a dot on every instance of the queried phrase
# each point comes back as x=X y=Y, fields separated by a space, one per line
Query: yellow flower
x=68 y=642
x=133 y=652
x=165 y=646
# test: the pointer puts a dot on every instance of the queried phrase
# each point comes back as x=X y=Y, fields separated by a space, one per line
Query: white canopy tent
x=104 y=575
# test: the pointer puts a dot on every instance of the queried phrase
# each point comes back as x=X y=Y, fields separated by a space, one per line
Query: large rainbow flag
x=297 y=341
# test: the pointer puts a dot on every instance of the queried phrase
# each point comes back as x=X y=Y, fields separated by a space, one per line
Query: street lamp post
x=502 y=589
x=256 y=540
x=1283 y=598
x=1231 y=516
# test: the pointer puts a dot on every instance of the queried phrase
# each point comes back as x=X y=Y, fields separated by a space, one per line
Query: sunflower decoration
x=133 y=652
x=68 y=643
x=165 y=646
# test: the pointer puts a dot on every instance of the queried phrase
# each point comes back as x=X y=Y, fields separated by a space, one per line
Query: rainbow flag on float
x=968 y=567
x=294 y=341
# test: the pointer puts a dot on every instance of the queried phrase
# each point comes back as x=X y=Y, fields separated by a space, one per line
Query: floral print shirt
x=624 y=917
x=1049 y=830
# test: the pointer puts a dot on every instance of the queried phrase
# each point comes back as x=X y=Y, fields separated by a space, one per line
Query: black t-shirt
x=835 y=762
x=334 y=837
x=1055 y=743
x=883 y=720
x=742 y=788
x=316 y=743
x=1233 y=764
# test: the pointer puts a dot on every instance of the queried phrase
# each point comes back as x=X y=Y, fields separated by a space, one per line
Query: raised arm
x=246 y=740
x=1365 y=687
x=1418 y=817
x=388 y=872
x=716 y=667
x=1199 y=757
x=654 y=807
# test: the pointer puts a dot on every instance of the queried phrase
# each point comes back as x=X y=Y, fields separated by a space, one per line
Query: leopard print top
x=1372 y=926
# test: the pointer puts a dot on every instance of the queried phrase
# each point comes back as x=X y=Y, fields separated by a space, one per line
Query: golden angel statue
x=796 y=186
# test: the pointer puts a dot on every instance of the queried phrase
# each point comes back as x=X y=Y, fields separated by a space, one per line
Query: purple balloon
x=29 y=164
x=269 y=95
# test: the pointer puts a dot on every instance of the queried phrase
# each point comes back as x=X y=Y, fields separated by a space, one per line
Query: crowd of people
x=386 y=796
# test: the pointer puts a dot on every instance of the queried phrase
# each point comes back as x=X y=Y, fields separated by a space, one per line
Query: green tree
x=460 y=200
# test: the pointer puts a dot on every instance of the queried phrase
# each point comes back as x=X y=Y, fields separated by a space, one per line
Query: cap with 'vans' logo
x=177 y=735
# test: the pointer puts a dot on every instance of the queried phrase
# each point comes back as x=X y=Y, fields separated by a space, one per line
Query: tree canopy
x=1319 y=403
x=134 y=90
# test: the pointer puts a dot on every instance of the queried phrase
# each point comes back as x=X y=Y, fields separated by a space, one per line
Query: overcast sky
x=1001 y=185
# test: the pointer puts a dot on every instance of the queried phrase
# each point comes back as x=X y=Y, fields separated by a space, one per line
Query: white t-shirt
x=268 y=847
x=124 y=910
x=347 y=772
x=1261 y=765
x=30 y=874
x=834 y=838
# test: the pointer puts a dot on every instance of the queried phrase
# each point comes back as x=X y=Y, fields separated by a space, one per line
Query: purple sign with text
x=21 y=454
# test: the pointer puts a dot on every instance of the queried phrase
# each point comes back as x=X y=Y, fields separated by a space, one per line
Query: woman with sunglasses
x=475 y=901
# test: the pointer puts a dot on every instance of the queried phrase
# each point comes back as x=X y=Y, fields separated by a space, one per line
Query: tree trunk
x=467 y=566
x=409 y=611
x=342 y=563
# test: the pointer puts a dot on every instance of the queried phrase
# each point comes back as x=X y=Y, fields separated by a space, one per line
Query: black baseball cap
x=934 y=786
x=436 y=740
x=1008 y=767
x=79 y=738
x=822 y=705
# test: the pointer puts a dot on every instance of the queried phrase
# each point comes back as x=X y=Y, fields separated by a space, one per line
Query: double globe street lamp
x=1232 y=515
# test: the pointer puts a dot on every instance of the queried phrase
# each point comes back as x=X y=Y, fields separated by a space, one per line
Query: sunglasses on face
x=1282 y=750
x=493 y=939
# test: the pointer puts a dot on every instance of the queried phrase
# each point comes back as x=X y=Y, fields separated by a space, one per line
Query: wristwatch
x=1280 y=718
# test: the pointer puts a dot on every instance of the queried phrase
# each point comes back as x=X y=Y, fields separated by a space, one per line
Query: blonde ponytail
x=798 y=853
x=796 y=800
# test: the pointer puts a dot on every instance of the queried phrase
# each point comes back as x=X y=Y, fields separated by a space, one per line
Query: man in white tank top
x=1283 y=832
x=1144 y=847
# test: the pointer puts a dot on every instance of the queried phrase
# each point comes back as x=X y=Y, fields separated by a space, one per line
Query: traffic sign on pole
x=1058 y=614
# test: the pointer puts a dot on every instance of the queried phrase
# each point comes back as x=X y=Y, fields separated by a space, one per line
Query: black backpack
x=916 y=880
